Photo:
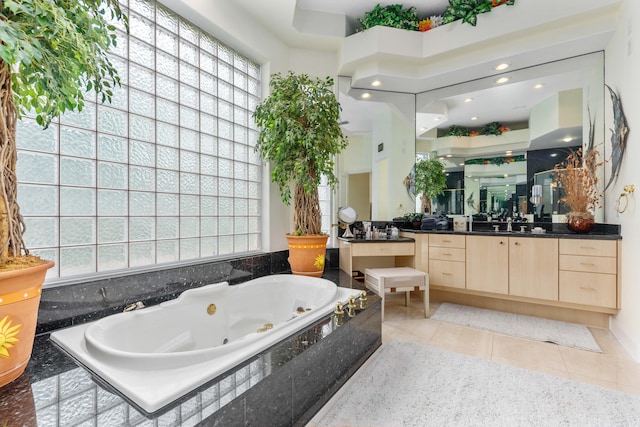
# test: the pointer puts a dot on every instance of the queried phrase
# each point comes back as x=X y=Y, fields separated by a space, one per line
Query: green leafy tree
x=300 y=135
x=52 y=53
x=431 y=180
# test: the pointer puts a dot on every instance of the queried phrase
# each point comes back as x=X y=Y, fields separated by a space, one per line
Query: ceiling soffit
x=410 y=61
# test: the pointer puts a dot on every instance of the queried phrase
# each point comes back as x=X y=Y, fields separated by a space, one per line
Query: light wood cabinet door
x=588 y=288
x=533 y=267
x=488 y=264
x=446 y=273
x=447 y=240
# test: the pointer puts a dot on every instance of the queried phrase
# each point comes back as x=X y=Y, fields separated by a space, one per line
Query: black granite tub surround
x=285 y=384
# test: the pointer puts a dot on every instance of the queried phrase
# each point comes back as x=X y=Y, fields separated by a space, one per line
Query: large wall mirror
x=548 y=110
x=380 y=126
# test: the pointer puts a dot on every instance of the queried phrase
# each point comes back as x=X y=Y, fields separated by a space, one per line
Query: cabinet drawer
x=591 y=264
x=447 y=273
x=588 y=288
x=382 y=249
x=446 y=254
x=447 y=241
x=588 y=247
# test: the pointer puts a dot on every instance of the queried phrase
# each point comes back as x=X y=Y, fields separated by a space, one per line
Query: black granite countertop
x=54 y=391
x=398 y=240
x=551 y=230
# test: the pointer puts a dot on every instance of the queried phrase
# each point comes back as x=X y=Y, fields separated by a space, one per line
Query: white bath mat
x=517 y=325
x=410 y=384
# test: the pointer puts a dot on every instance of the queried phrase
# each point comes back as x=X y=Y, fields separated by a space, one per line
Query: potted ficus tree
x=52 y=52
x=299 y=137
x=431 y=181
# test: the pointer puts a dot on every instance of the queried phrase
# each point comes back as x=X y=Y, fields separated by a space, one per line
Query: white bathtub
x=155 y=355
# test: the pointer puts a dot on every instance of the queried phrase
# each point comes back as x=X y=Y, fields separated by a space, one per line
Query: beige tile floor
x=613 y=368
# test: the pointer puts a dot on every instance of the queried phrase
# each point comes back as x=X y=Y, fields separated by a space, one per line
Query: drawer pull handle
x=585 y=288
x=587 y=247
x=446 y=241
x=587 y=263
x=446 y=254
x=447 y=274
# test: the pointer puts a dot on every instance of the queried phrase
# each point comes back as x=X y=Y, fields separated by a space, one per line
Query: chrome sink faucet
x=509 y=221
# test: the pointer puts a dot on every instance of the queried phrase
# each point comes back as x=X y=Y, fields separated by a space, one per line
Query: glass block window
x=165 y=173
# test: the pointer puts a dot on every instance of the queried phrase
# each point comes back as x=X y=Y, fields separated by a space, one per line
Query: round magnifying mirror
x=348 y=215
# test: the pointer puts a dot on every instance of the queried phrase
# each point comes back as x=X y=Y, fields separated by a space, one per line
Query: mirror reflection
x=543 y=112
x=380 y=126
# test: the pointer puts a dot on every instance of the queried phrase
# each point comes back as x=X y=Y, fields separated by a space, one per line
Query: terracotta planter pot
x=19 y=300
x=307 y=254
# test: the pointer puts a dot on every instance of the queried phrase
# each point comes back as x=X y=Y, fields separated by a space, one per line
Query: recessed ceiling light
x=503 y=80
x=461 y=164
x=440 y=158
x=468 y=100
x=365 y=95
x=446 y=174
x=506 y=175
x=508 y=152
x=474 y=118
x=423 y=129
x=539 y=86
x=376 y=83
x=553 y=155
x=449 y=155
x=436 y=119
x=567 y=139
x=502 y=66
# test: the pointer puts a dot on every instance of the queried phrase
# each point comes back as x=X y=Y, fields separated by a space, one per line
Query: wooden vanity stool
x=398 y=279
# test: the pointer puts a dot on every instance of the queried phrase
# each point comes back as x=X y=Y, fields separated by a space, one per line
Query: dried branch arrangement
x=577 y=176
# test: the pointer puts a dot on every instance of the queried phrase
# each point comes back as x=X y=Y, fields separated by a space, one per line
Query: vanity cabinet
x=447 y=260
x=362 y=254
x=487 y=264
x=588 y=272
x=533 y=268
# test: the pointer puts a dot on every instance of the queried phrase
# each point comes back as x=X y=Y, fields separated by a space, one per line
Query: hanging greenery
x=468 y=10
x=393 y=15
x=493 y=128
x=496 y=160
x=456 y=130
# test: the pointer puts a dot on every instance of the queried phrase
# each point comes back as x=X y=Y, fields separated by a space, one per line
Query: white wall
x=622 y=67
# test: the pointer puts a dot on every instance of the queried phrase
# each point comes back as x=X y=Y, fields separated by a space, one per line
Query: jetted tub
x=156 y=355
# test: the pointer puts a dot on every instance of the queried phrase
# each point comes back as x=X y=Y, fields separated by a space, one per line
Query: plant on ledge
x=493 y=128
x=456 y=130
x=468 y=10
x=577 y=177
x=393 y=15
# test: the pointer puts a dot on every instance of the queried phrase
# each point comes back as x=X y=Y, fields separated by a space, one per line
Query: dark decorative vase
x=580 y=222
